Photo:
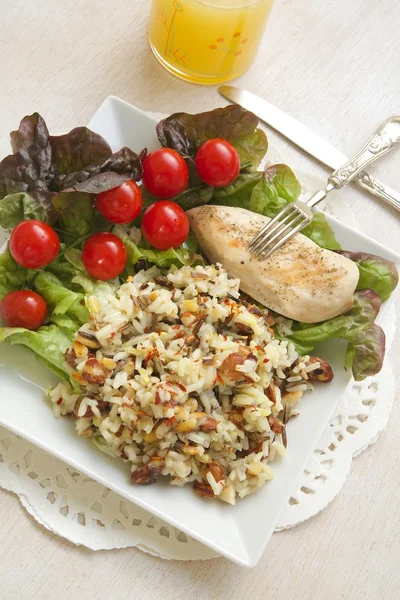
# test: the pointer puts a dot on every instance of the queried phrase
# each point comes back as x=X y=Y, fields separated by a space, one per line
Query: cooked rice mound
x=183 y=378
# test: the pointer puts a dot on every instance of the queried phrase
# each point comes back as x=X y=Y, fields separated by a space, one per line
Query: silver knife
x=306 y=139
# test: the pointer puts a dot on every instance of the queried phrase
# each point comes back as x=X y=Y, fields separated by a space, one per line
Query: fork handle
x=377 y=146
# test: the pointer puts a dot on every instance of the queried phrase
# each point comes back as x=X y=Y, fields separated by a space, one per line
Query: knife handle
x=377 y=146
x=378 y=189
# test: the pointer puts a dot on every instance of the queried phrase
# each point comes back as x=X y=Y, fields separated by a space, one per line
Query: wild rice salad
x=183 y=378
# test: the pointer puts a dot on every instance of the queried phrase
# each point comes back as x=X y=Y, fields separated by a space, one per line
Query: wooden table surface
x=335 y=65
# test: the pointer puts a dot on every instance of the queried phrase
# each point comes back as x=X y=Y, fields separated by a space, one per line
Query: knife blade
x=305 y=139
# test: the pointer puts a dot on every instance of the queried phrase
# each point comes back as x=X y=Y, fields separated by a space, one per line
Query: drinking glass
x=207 y=41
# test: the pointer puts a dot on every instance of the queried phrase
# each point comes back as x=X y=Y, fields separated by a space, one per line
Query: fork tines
x=279 y=230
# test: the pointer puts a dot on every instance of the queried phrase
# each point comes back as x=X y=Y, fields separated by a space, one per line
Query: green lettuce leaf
x=60 y=300
x=12 y=275
x=94 y=286
x=63 y=268
x=76 y=212
x=183 y=255
x=196 y=196
x=166 y=258
x=74 y=257
x=15 y=208
x=49 y=343
x=186 y=133
x=376 y=273
x=239 y=192
x=277 y=188
x=320 y=232
x=366 y=339
x=134 y=254
x=190 y=198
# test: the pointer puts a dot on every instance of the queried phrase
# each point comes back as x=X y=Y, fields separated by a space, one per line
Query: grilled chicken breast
x=300 y=280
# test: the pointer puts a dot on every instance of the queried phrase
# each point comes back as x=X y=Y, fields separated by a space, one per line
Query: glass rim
x=234 y=4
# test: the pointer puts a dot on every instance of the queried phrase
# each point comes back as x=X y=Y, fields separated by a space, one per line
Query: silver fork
x=297 y=215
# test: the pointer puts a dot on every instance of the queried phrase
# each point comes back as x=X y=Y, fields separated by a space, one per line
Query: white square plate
x=241 y=532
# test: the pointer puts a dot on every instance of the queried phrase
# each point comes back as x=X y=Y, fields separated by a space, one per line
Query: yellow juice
x=207 y=41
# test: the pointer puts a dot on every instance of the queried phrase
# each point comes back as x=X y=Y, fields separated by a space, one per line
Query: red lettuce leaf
x=366 y=348
x=81 y=160
x=185 y=133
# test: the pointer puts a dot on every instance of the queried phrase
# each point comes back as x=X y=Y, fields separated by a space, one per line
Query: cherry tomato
x=217 y=163
x=23 y=309
x=121 y=204
x=165 y=225
x=165 y=173
x=34 y=244
x=104 y=256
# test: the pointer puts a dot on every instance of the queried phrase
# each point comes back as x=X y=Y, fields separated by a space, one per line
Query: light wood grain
x=335 y=65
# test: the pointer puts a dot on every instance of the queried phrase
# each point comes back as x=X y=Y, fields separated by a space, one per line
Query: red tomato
x=217 y=163
x=23 y=309
x=104 y=256
x=165 y=173
x=165 y=225
x=34 y=244
x=122 y=204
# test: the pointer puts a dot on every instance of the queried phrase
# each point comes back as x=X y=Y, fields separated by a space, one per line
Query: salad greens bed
x=55 y=179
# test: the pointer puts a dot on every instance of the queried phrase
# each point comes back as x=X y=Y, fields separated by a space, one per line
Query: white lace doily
x=83 y=511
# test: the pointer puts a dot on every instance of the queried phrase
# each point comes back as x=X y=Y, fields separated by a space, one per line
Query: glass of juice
x=207 y=41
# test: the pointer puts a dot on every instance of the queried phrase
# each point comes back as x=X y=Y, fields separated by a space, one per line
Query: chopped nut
x=292 y=397
x=208 y=362
x=203 y=489
x=269 y=319
x=190 y=305
x=80 y=350
x=148 y=473
x=228 y=494
x=209 y=425
x=323 y=374
x=254 y=310
x=244 y=329
x=94 y=372
x=228 y=367
x=71 y=357
x=186 y=426
x=254 y=468
x=256 y=441
x=88 y=413
x=87 y=433
x=198 y=415
x=77 y=375
x=216 y=470
x=191 y=450
x=204 y=458
x=245 y=351
x=109 y=363
x=151 y=437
